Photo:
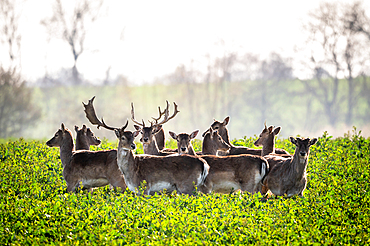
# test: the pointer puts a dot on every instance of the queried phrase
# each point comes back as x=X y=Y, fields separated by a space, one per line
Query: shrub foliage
x=36 y=209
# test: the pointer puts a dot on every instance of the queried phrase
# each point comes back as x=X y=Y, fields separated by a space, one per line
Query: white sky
x=160 y=35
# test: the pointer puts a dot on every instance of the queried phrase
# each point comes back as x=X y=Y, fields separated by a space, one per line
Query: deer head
x=220 y=127
x=62 y=136
x=148 y=132
x=85 y=137
x=303 y=147
x=213 y=142
x=267 y=134
x=184 y=141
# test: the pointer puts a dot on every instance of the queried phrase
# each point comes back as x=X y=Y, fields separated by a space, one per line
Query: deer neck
x=208 y=148
x=151 y=148
x=82 y=145
x=299 y=163
x=66 y=150
x=125 y=161
x=269 y=146
x=225 y=136
x=191 y=150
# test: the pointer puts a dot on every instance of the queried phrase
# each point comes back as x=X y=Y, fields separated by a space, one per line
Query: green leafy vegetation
x=35 y=209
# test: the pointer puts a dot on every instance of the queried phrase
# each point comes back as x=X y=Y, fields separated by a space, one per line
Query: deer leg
x=71 y=186
x=185 y=189
x=117 y=181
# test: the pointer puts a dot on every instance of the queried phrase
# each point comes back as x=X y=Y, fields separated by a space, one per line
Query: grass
x=36 y=210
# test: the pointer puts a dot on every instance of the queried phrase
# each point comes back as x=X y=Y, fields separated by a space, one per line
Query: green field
x=335 y=210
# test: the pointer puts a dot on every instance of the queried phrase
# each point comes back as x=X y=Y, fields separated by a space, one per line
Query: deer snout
x=183 y=149
x=256 y=143
x=146 y=139
x=302 y=153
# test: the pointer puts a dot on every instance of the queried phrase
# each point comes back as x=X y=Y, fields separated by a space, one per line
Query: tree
x=16 y=109
x=270 y=74
x=10 y=36
x=17 y=112
x=356 y=19
x=336 y=52
x=72 y=28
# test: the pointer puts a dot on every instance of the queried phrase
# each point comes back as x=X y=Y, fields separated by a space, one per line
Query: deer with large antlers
x=153 y=135
x=85 y=137
x=173 y=172
x=92 y=168
x=227 y=173
x=288 y=177
x=235 y=150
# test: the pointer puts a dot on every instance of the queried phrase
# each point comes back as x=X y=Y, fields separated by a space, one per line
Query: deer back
x=230 y=173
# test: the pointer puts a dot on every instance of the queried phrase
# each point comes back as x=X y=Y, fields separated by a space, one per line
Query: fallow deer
x=184 y=142
x=92 y=168
x=174 y=172
x=85 y=137
x=213 y=143
x=289 y=175
x=235 y=150
x=227 y=173
x=154 y=134
x=266 y=139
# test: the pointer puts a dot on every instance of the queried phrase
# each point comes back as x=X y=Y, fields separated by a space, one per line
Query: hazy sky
x=146 y=39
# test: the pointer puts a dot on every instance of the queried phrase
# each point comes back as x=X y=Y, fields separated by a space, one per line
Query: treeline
x=249 y=103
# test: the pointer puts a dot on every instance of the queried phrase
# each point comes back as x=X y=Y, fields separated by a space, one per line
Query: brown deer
x=235 y=150
x=174 y=172
x=213 y=143
x=92 y=168
x=227 y=173
x=266 y=139
x=184 y=142
x=289 y=175
x=152 y=134
x=85 y=137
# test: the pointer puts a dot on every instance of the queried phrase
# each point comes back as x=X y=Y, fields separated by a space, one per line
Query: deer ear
x=194 y=134
x=116 y=131
x=204 y=133
x=76 y=128
x=226 y=121
x=137 y=127
x=84 y=128
x=313 y=141
x=277 y=130
x=156 y=129
x=62 y=127
x=270 y=128
x=135 y=133
x=293 y=140
x=173 y=135
x=211 y=132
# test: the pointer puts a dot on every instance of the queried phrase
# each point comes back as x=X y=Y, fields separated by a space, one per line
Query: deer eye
x=216 y=127
x=123 y=138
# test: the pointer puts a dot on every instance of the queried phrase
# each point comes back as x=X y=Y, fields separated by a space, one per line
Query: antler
x=133 y=117
x=160 y=115
x=166 y=113
x=155 y=120
x=91 y=116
